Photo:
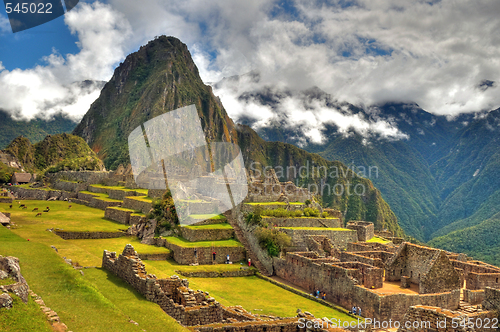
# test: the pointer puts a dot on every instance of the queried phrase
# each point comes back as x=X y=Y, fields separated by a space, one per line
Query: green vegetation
x=55 y=153
x=207 y=216
x=480 y=241
x=281 y=213
x=60 y=216
x=35 y=130
x=6 y=173
x=139 y=190
x=185 y=243
x=97 y=301
x=211 y=226
x=377 y=239
x=23 y=317
x=319 y=229
x=273 y=240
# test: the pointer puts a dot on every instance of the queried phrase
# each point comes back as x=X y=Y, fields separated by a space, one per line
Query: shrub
x=310 y=212
x=272 y=240
x=297 y=213
x=253 y=218
x=308 y=202
x=324 y=215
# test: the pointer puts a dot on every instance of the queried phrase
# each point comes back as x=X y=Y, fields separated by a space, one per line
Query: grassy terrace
x=27 y=186
x=102 y=197
x=304 y=217
x=377 y=239
x=146 y=199
x=96 y=301
x=275 y=203
x=125 y=209
x=185 y=243
x=142 y=191
x=213 y=226
x=99 y=301
x=60 y=216
x=207 y=216
x=318 y=229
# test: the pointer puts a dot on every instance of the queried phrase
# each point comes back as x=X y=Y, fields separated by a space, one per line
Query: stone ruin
x=9 y=268
x=189 y=307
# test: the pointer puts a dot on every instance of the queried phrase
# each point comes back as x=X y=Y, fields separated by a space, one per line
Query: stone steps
x=241 y=237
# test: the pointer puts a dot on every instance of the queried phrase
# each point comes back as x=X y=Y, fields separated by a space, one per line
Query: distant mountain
x=437 y=179
x=161 y=77
x=35 y=130
x=54 y=153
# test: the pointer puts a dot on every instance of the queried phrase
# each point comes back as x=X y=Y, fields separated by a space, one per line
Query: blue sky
x=364 y=52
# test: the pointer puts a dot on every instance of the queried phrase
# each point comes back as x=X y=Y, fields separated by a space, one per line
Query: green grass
x=23 y=317
x=211 y=226
x=319 y=229
x=60 y=216
x=96 y=301
x=27 y=186
x=7 y=281
x=274 y=203
x=89 y=252
x=125 y=209
x=142 y=191
x=252 y=293
x=170 y=267
x=142 y=198
x=208 y=216
x=101 y=196
x=377 y=239
x=185 y=243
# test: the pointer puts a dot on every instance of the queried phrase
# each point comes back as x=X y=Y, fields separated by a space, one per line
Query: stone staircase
x=242 y=238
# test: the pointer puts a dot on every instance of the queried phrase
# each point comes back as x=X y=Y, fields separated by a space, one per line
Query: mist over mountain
x=161 y=77
x=436 y=173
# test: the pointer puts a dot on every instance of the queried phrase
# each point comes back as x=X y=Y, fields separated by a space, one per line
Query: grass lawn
x=96 y=301
x=60 y=216
x=142 y=191
x=23 y=317
x=90 y=253
x=142 y=198
x=169 y=267
x=377 y=239
x=208 y=216
x=211 y=226
x=185 y=243
x=27 y=186
x=274 y=203
x=101 y=196
x=319 y=229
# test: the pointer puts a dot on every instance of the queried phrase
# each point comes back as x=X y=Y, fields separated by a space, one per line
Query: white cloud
x=4 y=24
x=433 y=53
x=55 y=87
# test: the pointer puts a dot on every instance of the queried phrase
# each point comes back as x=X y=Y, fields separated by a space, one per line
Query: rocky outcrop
x=9 y=268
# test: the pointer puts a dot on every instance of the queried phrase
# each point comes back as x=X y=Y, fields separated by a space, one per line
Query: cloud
x=437 y=54
x=58 y=86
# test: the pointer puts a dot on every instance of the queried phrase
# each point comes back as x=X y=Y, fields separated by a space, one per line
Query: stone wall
x=303 y=222
x=172 y=295
x=365 y=229
x=69 y=186
x=98 y=203
x=155 y=257
x=156 y=193
x=85 y=197
x=137 y=205
x=88 y=235
x=370 y=246
x=342 y=284
x=185 y=256
x=478 y=275
x=121 y=194
x=375 y=258
x=430 y=319
x=118 y=215
x=193 y=234
x=89 y=177
x=215 y=274
x=491 y=299
x=9 y=268
x=136 y=218
x=4 y=199
x=473 y=296
x=339 y=238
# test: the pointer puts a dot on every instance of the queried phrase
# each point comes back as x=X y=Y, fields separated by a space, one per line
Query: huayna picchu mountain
x=161 y=77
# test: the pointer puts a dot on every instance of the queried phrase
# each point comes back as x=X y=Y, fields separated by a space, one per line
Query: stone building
x=20 y=178
x=429 y=268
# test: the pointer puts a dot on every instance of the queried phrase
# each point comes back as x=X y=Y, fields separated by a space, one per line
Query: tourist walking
x=359 y=311
x=227 y=259
x=354 y=310
x=249 y=262
x=213 y=255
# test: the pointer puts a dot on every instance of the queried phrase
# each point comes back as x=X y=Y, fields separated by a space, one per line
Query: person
x=359 y=311
x=195 y=252
x=249 y=262
x=213 y=255
x=227 y=259
x=317 y=293
x=354 y=310
x=324 y=296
